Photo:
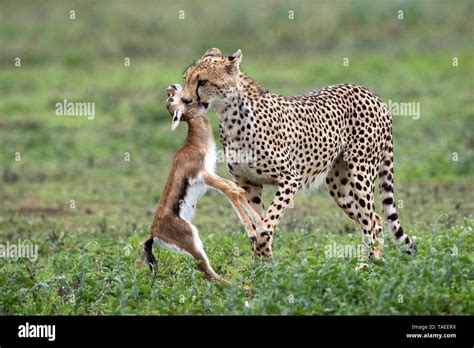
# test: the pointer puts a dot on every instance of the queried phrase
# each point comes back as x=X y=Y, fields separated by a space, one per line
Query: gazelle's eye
x=202 y=82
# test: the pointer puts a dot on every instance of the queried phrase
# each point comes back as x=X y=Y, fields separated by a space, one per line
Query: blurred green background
x=64 y=159
x=407 y=60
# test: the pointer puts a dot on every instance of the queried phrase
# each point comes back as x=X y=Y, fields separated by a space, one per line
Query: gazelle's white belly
x=211 y=158
x=196 y=186
x=187 y=206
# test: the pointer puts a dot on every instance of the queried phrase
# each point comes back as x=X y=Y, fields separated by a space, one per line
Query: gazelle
x=192 y=172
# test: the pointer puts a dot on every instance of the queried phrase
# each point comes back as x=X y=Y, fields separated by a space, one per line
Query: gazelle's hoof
x=253 y=245
x=241 y=192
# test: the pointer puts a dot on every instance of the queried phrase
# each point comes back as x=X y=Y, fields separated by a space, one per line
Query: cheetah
x=340 y=135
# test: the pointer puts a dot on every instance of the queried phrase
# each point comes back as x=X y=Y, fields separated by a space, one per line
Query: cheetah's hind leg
x=347 y=184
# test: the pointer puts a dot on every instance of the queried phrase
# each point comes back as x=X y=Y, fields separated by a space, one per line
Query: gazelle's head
x=177 y=108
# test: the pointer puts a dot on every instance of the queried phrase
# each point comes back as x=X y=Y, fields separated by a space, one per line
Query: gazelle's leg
x=181 y=236
x=254 y=215
x=254 y=196
x=197 y=252
x=236 y=196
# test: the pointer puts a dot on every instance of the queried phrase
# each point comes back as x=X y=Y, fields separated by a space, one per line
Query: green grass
x=94 y=268
x=89 y=256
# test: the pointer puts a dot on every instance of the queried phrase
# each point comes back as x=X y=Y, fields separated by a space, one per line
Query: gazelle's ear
x=173 y=89
x=236 y=58
x=212 y=52
x=176 y=118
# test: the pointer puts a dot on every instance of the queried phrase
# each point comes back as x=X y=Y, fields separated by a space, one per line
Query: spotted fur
x=340 y=134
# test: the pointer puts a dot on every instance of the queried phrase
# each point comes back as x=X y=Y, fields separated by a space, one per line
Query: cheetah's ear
x=212 y=52
x=236 y=58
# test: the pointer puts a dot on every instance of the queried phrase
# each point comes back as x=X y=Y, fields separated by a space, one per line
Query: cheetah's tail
x=388 y=201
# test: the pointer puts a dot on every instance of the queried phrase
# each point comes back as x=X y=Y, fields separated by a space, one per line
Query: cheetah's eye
x=202 y=83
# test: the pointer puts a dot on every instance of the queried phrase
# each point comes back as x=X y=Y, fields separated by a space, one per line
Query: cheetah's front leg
x=286 y=190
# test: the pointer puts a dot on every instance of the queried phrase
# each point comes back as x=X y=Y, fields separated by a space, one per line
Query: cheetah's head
x=209 y=80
